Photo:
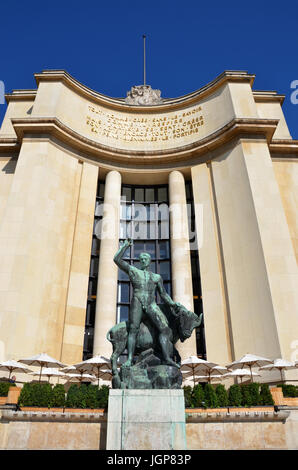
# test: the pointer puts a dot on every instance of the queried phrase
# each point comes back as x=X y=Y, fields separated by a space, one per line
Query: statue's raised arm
x=118 y=258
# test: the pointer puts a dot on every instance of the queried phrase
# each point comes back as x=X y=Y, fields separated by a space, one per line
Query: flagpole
x=144 y=41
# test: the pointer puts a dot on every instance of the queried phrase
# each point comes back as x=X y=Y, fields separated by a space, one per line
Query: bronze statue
x=151 y=330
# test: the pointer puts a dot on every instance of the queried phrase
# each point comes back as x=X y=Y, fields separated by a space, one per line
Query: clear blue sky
x=189 y=43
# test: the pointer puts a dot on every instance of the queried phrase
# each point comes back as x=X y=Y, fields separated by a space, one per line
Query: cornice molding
x=21 y=95
x=9 y=144
x=262 y=96
x=287 y=146
x=40 y=127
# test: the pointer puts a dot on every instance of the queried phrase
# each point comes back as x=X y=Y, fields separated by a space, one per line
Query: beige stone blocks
x=243 y=101
x=254 y=252
x=7 y=169
x=15 y=109
x=52 y=436
x=255 y=435
x=215 y=305
x=286 y=174
x=236 y=436
x=276 y=242
x=75 y=316
x=273 y=110
x=36 y=233
x=247 y=288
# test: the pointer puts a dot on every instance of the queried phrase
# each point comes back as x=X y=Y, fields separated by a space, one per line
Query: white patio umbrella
x=50 y=372
x=215 y=371
x=241 y=373
x=69 y=369
x=279 y=364
x=209 y=378
x=94 y=365
x=250 y=361
x=80 y=378
x=72 y=373
x=193 y=363
x=42 y=360
x=208 y=372
x=13 y=366
x=105 y=374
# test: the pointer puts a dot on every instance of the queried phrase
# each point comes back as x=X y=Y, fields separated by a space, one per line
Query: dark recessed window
x=196 y=278
x=145 y=219
x=93 y=274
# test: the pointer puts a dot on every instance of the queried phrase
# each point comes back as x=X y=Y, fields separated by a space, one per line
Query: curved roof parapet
x=62 y=75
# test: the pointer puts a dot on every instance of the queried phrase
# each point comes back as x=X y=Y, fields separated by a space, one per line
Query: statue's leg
x=160 y=322
x=177 y=356
x=135 y=317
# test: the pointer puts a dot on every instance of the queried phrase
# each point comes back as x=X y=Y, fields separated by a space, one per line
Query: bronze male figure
x=145 y=284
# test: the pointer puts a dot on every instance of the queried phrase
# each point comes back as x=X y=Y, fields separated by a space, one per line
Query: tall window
x=93 y=274
x=195 y=269
x=144 y=217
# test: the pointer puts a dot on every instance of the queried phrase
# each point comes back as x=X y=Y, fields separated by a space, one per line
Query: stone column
x=106 y=298
x=180 y=254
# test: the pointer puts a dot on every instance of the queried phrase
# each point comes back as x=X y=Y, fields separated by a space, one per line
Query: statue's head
x=145 y=260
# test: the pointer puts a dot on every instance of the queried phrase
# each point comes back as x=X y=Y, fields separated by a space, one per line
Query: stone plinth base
x=146 y=420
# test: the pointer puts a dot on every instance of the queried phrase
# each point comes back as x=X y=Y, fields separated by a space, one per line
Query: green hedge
x=36 y=394
x=206 y=396
x=45 y=395
x=197 y=396
x=289 y=391
x=90 y=396
x=4 y=387
x=266 y=396
x=222 y=396
x=235 y=395
x=87 y=396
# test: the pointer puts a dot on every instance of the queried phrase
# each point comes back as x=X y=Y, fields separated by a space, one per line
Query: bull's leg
x=118 y=337
x=118 y=347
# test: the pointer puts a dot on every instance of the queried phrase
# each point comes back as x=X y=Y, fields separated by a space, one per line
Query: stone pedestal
x=146 y=420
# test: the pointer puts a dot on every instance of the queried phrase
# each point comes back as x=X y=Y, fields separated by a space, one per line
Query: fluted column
x=106 y=298
x=180 y=253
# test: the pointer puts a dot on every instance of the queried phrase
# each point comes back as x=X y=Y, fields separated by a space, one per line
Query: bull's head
x=187 y=322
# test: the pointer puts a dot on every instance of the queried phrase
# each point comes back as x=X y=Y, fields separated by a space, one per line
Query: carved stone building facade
x=77 y=170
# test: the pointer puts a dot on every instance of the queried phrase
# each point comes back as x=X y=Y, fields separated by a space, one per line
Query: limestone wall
x=36 y=234
x=248 y=431
x=52 y=436
x=255 y=435
x=286 y=174
x=267 y=109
